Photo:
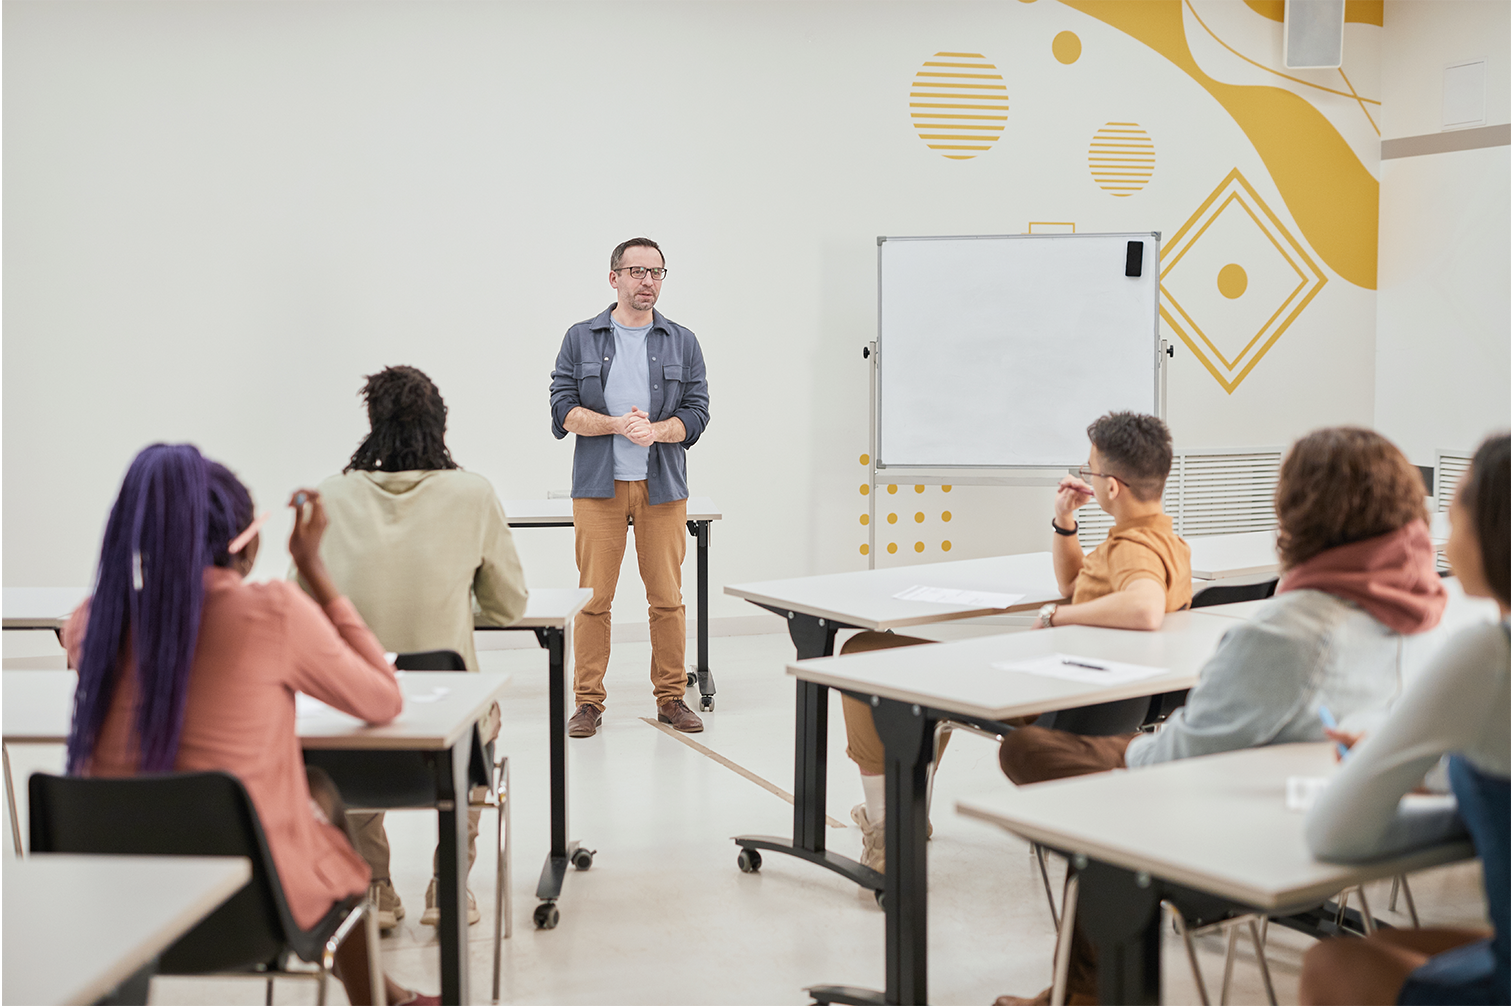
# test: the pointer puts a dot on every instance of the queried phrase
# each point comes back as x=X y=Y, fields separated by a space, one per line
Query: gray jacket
x=679 y=388
x=1264 y=684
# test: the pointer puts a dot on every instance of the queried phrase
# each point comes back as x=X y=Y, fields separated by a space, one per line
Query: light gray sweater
x=1269 y=675
x=1459 y=705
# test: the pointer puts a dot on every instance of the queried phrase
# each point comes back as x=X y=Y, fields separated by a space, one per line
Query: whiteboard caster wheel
x=582 y=858
x=749 y=861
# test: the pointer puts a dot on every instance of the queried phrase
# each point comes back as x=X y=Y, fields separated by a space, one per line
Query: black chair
x=199 y=814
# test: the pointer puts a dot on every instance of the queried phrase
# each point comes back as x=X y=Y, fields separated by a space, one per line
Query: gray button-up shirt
x=679 y=388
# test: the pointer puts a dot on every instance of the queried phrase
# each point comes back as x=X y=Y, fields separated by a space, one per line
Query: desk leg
x=1120 y=913
x=10 y=799
x=701 y=674
x=907 y=731
x=562 y=852
x=813 y=637
x=451 y=873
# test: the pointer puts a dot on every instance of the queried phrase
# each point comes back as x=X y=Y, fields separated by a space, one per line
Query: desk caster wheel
x=881 y=897
x=692 y=679
x=582 y=858
x=749 y=861
x=706 y=702
x=546 y=915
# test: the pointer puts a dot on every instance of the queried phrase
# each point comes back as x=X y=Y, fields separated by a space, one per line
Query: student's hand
x=1344 y=737
x=304 y=544
x=1070 y=496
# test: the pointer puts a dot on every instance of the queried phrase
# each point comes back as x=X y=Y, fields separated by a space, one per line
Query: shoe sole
x=687 y=730
x=429 y=919
x=580 y=734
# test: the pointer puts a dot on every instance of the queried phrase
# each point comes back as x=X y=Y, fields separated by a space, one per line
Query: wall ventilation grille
x=1210 y=491
x=1449 y=468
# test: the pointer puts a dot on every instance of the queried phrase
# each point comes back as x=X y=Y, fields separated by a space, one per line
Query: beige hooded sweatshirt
x=412 y=550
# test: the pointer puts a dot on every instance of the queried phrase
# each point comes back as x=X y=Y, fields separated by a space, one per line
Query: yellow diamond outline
x=1176 y=249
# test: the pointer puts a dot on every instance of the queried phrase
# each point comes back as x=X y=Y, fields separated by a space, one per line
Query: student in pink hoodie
x=185 y=667
x=1357 y=575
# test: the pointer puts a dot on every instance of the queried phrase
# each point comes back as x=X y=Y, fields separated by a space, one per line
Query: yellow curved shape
x=1357 y=11
x=1330 y=194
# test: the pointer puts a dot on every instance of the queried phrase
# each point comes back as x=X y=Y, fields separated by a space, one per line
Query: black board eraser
x=1134 y=260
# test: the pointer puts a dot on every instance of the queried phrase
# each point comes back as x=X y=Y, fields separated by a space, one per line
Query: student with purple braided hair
x=184 y=666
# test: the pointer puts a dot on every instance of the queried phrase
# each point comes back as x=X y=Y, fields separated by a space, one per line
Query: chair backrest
x=182 y=814
x=430 y=660
x=1230 y=594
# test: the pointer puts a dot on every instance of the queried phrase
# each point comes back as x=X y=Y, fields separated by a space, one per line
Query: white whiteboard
x=997 y=352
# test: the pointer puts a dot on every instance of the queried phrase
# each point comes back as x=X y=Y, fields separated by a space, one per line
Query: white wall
x=1443 y=335
x=220 y=215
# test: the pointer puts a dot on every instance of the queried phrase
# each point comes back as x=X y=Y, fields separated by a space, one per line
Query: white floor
x=665 y=916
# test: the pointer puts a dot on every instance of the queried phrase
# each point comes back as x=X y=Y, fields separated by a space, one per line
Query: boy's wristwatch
x=1046 y=613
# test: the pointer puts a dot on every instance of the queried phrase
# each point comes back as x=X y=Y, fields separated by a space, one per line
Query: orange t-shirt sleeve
x=1130 y=560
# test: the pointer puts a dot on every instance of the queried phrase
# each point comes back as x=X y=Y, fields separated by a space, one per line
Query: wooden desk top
x=439 y=706
x=958 y=677
x=865 y=598
x=1218 y=824
x=66 y=938
x=559 y=512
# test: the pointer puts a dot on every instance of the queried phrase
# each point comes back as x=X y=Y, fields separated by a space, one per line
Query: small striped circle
x=1121 y=158
x=958 y=104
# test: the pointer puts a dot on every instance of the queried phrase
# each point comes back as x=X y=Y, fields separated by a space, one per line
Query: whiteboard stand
x=1051 y=320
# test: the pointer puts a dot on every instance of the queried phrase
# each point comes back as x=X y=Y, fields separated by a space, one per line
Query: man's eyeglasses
x=639 y=272
x=1086 y=473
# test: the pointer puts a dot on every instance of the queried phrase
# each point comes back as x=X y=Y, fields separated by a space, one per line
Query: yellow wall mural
x=1331 y=195
x=1121 y=158
x=958 y=104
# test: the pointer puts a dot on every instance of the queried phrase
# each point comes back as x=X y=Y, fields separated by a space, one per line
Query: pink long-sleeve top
x=259 y=643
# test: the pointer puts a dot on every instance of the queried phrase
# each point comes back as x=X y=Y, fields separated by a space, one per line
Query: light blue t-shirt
x=629 y=386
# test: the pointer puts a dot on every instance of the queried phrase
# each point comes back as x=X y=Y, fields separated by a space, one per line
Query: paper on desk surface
x=307 y=706
x=1066 y=666
x=964 y=598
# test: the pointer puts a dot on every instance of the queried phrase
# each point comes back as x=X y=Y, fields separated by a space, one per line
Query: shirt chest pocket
x=671 y=385
x=590 y=381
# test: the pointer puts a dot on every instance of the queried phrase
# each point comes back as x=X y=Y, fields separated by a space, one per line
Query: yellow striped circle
x=958 y=104
x=1121 y=158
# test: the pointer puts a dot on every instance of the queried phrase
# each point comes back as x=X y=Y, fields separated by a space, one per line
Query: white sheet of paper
x=1070 y=667
x=309 y=707
x=964 y=598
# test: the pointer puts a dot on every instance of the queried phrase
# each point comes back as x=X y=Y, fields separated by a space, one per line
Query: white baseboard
x=640 y=632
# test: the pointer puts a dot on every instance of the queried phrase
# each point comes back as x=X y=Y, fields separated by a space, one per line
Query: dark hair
x=408 y=424
x=1340 y=485
x=618 y=255
x=1136 y=449
x=1484 y=495
x=175 y=515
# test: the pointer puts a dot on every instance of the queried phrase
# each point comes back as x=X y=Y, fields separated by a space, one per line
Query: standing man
x=631 y=385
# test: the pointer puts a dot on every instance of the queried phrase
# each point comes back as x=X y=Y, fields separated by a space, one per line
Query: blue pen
x=1332 y=724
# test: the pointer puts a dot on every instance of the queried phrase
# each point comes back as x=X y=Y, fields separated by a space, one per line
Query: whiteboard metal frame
x=981 y=475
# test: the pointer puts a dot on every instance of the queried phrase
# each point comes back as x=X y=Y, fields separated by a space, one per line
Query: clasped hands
x=635 y=426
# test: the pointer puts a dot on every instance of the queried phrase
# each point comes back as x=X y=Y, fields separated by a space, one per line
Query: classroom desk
x=701 y=514
x=816 y=607
x=549 y=614
x=39 y=607
x=65 y=938
x=911 y=689
x=1217 y=824
x=1221 y=556
x=436 y=727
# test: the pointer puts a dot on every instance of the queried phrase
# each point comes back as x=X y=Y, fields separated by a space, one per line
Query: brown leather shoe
x=1043 y=999
x=677 y=713
x=584 y=722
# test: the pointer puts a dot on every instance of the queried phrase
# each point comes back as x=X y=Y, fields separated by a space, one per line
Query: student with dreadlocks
x=184 y=666
x=414 y=540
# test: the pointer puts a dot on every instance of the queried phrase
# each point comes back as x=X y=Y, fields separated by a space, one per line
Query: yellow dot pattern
x=944 y=516
x=918 y=489
x=958 y=104
x=944 y=546
x=865 y=519
x=918 y=546
x=1121 y=158
x=1066 y=47
x=892 y=489
x=919 y=517
x=865 y=549
x=865 y=490
x=1233 y=281
x=892 y=518
x=892 y=547
x=866 y=459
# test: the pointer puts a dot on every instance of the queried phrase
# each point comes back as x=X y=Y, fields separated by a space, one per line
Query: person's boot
x=432 y=914
x=390 y=910
x=873 y=839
